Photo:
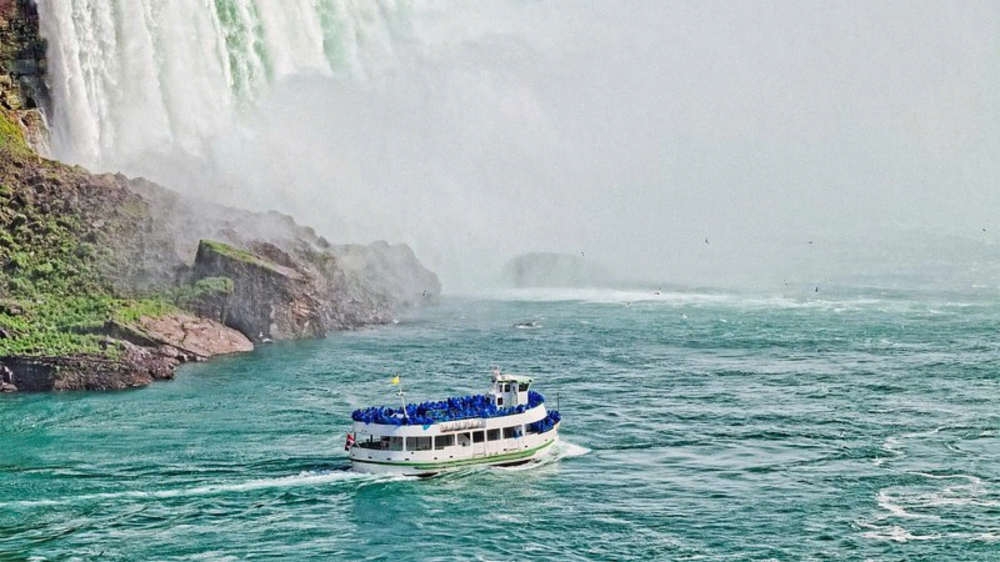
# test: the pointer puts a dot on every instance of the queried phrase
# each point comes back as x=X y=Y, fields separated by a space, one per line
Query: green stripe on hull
x=450 y=464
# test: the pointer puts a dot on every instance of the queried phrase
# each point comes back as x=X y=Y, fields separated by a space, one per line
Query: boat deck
x=453 y=409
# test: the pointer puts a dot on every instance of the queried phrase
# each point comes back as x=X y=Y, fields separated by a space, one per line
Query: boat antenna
x=402 y=401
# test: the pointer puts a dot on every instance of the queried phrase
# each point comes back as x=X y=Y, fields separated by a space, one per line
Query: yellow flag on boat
x=395 y=379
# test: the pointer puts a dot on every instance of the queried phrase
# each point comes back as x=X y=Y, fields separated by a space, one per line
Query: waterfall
x=130 y=78
x=403 y=120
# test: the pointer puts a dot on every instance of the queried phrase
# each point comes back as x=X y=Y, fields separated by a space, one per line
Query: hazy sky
x=633 y=131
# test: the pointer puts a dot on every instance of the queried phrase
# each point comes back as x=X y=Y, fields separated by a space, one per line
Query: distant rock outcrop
x=393 y=270
x=554 y=270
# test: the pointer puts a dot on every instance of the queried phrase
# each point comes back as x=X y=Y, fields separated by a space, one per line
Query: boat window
x=499 y=400
x=442 y=441
x=418 y=443
x=531 y=429
x=511 y=432
x=478 y=436
x=493 y=434
x=391 y=444
x=523 y=387
x=465 y=439
x=506 y=387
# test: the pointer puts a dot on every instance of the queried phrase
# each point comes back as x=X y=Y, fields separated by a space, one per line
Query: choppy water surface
x=700 y=427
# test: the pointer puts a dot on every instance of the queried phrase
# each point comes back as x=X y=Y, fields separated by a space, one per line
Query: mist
x=730 y=144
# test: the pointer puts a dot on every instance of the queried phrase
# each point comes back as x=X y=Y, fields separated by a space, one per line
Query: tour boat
x=508 y=426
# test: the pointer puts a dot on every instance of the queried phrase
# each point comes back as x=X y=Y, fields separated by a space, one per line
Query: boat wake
x=561 y=450
x=303 y=479
x=565 y=450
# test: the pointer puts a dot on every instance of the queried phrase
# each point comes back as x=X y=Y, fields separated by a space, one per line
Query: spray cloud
x=634 y=131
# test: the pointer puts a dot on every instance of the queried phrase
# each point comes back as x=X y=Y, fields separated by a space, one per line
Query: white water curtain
x=134 y=77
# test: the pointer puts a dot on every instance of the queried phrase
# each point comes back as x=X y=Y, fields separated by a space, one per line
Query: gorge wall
x=110 y=282
x=23 y=91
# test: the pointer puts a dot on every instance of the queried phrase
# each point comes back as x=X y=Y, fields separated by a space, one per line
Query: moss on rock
x=11 y=135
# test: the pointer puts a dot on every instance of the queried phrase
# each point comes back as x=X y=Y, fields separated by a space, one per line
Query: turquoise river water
x=858 y=425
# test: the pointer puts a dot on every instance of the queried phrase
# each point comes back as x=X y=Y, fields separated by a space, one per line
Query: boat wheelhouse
x=508 y=426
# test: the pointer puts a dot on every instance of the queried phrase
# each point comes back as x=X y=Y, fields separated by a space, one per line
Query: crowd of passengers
x=545 y=424
x=452 y=409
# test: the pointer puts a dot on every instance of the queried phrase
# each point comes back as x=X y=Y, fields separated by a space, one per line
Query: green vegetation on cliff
x=11 y=137
x=231 y=252
x=58 y=325
x=54 y=300
x=191 y=295
x=40 y=250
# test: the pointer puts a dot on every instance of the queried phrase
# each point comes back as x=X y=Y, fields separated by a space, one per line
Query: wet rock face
x=307 y=292
x=23 y=91
x=22 y=57
x=138 y=367
x=190 y=337
x=150 y=350
x=269 y=300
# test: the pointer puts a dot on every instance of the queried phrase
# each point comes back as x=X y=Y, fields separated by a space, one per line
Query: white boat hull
x=510 y=458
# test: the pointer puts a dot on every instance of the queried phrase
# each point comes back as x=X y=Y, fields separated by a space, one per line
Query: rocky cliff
x=110 y=282
x=358 y=284
x=97 y=271
x=66 y=321
x=23 y=92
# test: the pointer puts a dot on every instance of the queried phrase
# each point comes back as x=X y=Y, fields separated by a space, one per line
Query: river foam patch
x=937 y=506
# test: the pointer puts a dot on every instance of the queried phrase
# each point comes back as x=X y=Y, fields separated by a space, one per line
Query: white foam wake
x=561 y=450
x=565 y=449
x=303 y=479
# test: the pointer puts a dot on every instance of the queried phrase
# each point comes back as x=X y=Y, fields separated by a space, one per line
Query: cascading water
x=390 y=119
x=139 y=77
x=478 y=130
